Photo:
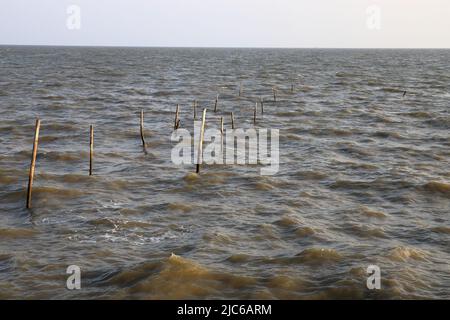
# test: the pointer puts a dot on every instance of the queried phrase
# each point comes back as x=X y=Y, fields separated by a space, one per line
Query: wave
x=437 y=188
x=404 y=254
x=240 y=258
x=17 y=233
x=363 y=231
x=7 y=179
x=184 y=207
x=64 y=156
x=386 y=134
x=318 y=256
x=177 y=278
x=310 y=175
x=372 y=213
x=49 y=192
x=288 y=221
x=303 y=232
x=392 y=90
x=418 y=114
x=52 y=97
x=115 y=223
x=443 y=229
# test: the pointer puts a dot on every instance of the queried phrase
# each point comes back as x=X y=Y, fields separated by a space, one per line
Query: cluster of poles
x=176 y=126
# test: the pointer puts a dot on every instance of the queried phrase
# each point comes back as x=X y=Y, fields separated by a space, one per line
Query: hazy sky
x=225 y=23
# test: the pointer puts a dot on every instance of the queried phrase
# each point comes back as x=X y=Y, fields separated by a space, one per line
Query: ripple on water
x=404 y=254
x=64 y=156
x=443 y=229
x=364 y=231
x=218 y=238
x=47 y=193
x=304 y=232
x=288 y=221
x=418 y=114
x=14 y=233
x=179 y=278
x=371 y=213
x=287 y=287
x=116 y=223
x=310 y=256
x=178 y=206
x=310 y=175
x=4 y=179
x=318 y=256
x=239 y=258
x=437 y=187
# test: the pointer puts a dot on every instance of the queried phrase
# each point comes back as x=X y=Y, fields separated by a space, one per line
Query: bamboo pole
x=215 y=104
x=142 y=129
x=232 y=120
x=195 y=109
x=91 y=149
x=175 y=124
x=200 y=145
x=221 y=134
x=33 y=162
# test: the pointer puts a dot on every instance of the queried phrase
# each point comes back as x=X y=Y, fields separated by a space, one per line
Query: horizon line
x=219 y=47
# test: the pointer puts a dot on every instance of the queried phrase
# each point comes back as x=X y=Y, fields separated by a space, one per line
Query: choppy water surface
x=364 y=175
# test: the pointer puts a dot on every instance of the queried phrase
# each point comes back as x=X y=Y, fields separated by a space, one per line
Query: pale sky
x=229 y=23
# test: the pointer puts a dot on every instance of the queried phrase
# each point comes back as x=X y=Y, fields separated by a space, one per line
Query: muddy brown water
x=364 y=175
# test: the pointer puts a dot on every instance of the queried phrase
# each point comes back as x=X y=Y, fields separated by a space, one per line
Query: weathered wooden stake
x=262 y=105
x=274 y=95
x=195 y=109
x=221 y=133
x=142 y=129
x=200 y=144
x=240 y=89
x=91 y=149
x=254 y=113
x=175 y=124
x=292 y=88
x=232 y=120
x=216 y=102
x=33 y=162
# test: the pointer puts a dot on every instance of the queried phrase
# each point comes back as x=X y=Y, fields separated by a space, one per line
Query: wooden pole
x=221 y=133
x=216 y=102
x=292 y=88
x=274 y=95
x=33 y=162
x=142 y=128
x=195 y=109
x=262 y=105
x=240 y=89
x=254 y=113
x=91 y=149
x=232 y=120
x=175 y=124
x=200 y=144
